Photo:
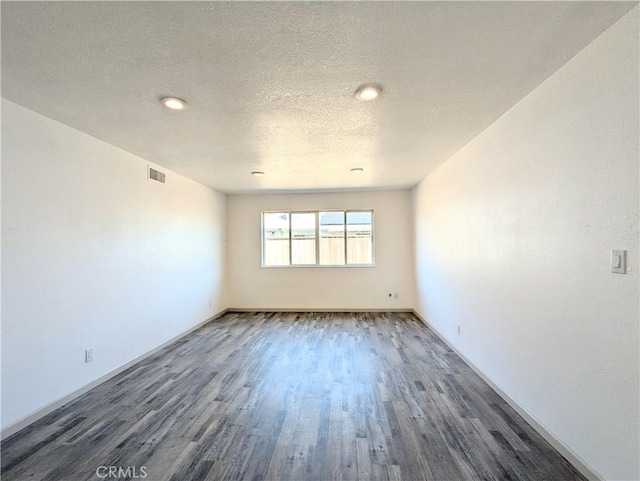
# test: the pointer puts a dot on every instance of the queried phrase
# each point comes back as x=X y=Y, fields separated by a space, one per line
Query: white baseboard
x=320 y=309
x=551 y=438
x=34 y=416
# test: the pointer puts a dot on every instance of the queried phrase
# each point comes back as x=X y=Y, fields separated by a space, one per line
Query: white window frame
x=317 y=239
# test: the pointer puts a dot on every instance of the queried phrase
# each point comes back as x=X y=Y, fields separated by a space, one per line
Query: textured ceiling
x=270 y=85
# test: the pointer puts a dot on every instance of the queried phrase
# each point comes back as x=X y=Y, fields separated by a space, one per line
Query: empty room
x=318 y=241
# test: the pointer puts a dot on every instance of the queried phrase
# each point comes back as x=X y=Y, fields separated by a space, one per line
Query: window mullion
x=317 y=238
x=290 y=243
x=344 y=226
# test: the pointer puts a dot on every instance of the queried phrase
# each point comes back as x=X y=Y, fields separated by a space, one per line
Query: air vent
x=156 y=175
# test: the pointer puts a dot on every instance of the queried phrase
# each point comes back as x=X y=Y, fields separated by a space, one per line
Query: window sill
x=312 y=266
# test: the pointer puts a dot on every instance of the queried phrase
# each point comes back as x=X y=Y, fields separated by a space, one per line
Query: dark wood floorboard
x=291 y=396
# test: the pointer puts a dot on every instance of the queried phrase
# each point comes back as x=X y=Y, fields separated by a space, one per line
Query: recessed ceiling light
x=257 y=173
x=368 y=92
x=173 y=103
x=357 y=170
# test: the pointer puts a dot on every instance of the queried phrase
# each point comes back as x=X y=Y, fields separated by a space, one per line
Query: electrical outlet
x=396 y=295
x=88 y=355
x=458 y=329
x=209 y=303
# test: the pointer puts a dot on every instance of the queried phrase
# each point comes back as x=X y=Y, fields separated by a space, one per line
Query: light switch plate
x=619 y=261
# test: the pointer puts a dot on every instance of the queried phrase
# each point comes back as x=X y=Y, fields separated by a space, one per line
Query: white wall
x=252 y=287
x=513 y=237
x=95 y=255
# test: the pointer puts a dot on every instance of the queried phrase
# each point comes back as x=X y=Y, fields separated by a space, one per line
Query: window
x=332 y=248
x=359 y=238
x=303 y=238
x=317 y=238
x=275 y=238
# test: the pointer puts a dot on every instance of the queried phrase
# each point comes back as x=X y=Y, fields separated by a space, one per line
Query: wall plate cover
x=619 y=261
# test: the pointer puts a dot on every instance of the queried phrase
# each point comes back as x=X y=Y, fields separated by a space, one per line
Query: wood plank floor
x=290 y=396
